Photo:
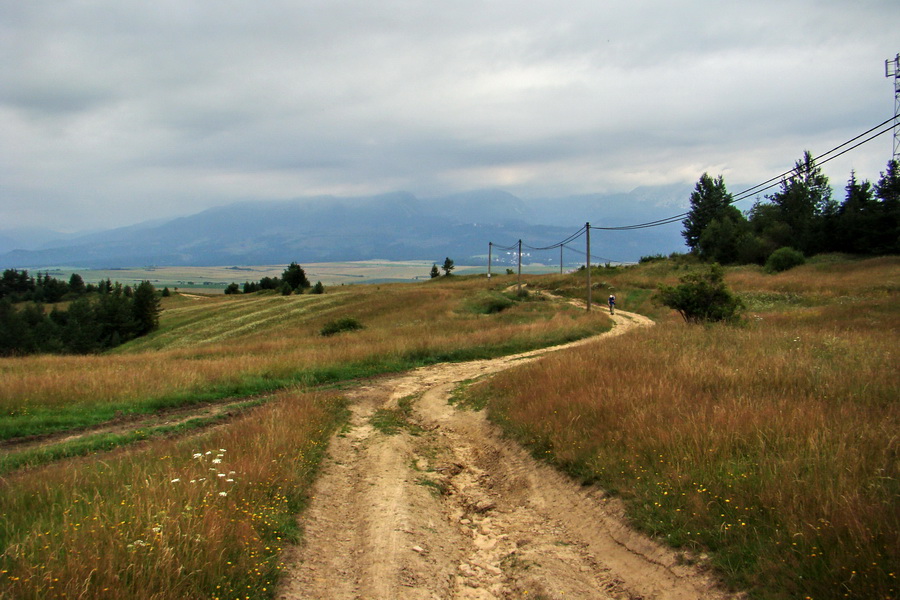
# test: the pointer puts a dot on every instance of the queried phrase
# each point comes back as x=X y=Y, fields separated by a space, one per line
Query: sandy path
x=451 y=510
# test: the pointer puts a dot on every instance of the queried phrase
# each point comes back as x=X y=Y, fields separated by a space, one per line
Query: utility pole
x=519 y=290
x=892 y=69
x=587 y=262
x=490 y=247
x=560 y=260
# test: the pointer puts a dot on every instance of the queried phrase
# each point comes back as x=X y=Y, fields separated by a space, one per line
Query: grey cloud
x=185 y=104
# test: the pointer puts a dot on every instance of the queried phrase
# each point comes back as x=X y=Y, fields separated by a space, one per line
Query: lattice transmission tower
x=892 y=69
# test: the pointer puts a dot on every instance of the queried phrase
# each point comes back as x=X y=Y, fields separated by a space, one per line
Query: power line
x=770 y=183
x=880 y=129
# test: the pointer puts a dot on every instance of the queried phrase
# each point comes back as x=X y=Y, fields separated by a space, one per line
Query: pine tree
x=708 y=200
x=145 y=308
x=887 y=190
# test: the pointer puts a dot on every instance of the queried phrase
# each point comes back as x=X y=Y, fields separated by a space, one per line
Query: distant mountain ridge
x=394 y=226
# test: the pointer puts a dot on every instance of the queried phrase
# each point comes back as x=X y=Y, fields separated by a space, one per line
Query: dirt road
x=448 y=509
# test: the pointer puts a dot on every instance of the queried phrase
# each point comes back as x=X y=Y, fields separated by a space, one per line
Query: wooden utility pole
x=587 y=261
x=490 y=247
x=560 y=260
x=520 y=267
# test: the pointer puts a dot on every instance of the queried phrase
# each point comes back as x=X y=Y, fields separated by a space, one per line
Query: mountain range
x=394 y=226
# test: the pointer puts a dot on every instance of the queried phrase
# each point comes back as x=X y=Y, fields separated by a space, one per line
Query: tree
x=701 y=297
x=76 y=285
x=724 y=237
x=857 y=218
x=887 y=190
x=145 y=308
x=708 y=200
x=435 y=272
x=804 y=202
x=318 y=288
x=233 y=288
x=295 y=277
x=448 y=266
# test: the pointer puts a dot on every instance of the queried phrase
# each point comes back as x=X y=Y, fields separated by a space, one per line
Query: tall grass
x=773 y=445
x=204 y=517
x=221 y=347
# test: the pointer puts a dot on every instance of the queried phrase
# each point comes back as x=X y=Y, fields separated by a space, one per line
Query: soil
x=447 y=508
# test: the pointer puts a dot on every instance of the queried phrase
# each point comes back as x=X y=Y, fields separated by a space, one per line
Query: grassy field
x=204 y=512
x=773 y=446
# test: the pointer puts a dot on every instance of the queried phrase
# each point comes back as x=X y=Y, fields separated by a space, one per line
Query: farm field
x=766 y=452
x=214 y=279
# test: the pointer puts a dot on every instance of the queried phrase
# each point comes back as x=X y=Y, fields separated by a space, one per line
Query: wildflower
x=176 y=480
x=223 y=493
x=217 y=461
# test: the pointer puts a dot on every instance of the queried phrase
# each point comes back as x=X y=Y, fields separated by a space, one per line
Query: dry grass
x=775 y=444
x=237 y=344
x=197 y=518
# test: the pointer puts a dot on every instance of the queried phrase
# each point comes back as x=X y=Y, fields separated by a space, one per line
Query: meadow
x=206 y=511
x=768 y=450
x=771 y=446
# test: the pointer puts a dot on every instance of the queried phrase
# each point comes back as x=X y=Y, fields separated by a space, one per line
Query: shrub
x=701 y=297
x=784 y=259
x=343 y=324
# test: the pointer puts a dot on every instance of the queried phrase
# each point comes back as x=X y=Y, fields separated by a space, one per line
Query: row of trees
x=801 y=215
x=92 y=322
x=19 y=286
x=293 y=280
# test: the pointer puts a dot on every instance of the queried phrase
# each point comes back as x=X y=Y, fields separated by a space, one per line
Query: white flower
x=223 y=493
x=221 y=449
x=216 y=461
x=221 y=475
x=197 y=455
x=176 y=480
x=230 y=480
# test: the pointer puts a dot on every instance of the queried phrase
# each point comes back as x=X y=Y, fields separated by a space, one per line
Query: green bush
x=343 y=324
x=701 y=297
x=784 y=259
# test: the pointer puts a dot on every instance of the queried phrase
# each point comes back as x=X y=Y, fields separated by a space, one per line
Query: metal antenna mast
x=892 y=69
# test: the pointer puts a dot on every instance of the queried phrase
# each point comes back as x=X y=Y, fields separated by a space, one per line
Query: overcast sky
x=118 y=111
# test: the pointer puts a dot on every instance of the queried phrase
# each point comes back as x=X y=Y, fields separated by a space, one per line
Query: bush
x=701 y=297
x=784 y=259
x=344 y=324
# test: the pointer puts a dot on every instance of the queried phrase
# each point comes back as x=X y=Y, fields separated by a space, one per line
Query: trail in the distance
x=454 y=511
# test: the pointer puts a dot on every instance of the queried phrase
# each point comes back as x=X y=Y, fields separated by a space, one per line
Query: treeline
x=292 y=281
x=97 y=318
x=800 y=219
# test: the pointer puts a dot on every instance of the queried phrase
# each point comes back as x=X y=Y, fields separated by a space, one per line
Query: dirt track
x=457 y=512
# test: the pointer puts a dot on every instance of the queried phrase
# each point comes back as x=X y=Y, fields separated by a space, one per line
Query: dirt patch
x=447 y=508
